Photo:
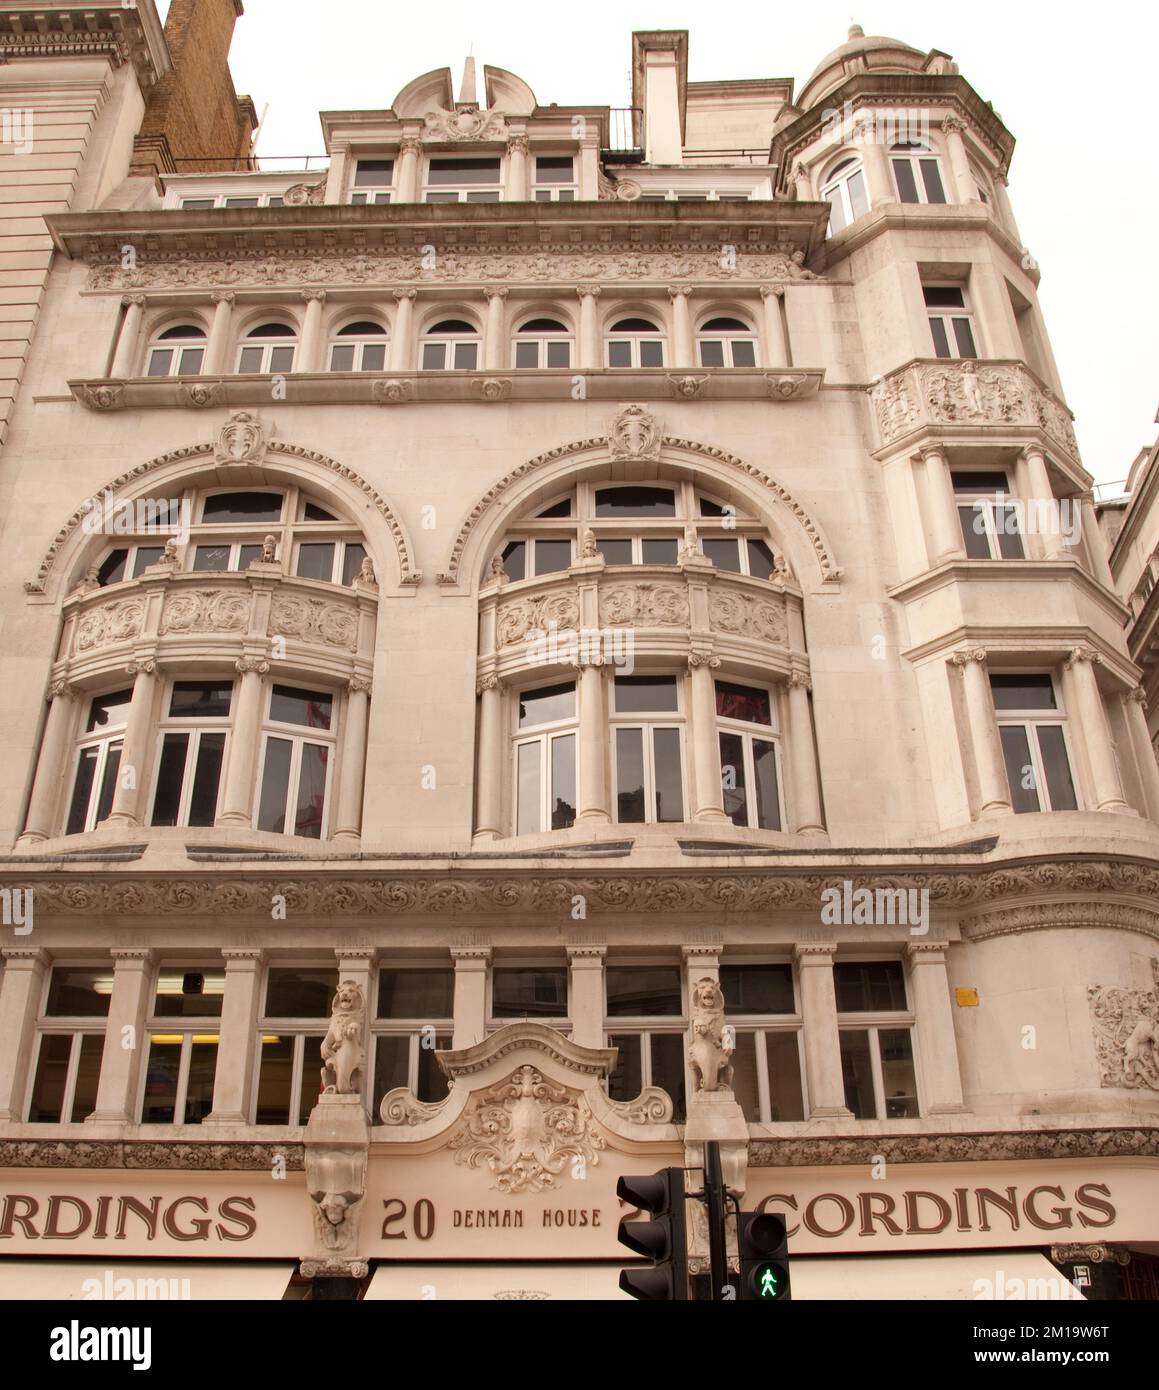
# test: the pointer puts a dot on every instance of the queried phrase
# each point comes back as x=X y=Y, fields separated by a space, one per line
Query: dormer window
x=555 y=179
x=179 y=351
x=917 y=173
x=463 y=181
x=372 y=181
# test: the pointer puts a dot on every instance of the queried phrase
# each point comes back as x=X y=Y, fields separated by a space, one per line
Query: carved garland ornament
x=194 y=452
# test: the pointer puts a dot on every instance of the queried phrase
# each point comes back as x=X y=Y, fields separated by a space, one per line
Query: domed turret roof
x=859 y=54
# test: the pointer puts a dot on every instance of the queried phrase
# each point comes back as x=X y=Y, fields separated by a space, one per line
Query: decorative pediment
x=464 y=123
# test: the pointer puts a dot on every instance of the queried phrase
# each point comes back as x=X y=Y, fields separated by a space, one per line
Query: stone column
x=1135 y=708
x=20 y=994
x=683 y=347
x=51 y=766
x=706 y=783
x=590 y=356
x=776 y=342
x=352 y=771
x=311 y=349
x=819 y=1032
x=586 y=967
x=126 y=808
x=952 y=129
x=936 y=1042
x=878 y=175
x=1045 y=507
x=471 y=963
x=593 y=742
x=1006 y=211
x=518 y=149
x=495 y=338
x=492 y=760
x=238 y=1037
x=990 y=766
x=125 y=1038
x=1096 y=542
x=1107 y=785
x=802 y=184
x=807 y=818
x=238 y=794
x=943 y=507
x=401 y=349
x=220 y=347
x=125 y=358
x=407 y=175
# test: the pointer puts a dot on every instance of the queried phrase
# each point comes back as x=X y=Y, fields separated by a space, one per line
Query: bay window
x=917 y=173
x=294 y=1022
x=647 y=741
x=192 y=753
x=989 y=516
x=876 y=1032
x=749 y=759
x=1032 y=725
x=845 y=192
x=546 y=758
x=296 y=766
x=98 y=761
x=70 y=1044
x=183 y=1044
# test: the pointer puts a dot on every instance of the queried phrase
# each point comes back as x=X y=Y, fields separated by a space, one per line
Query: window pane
x=761 y=564
x=373 y=173
x=51 y=1075
x=651 y=353
x=650 y=694
x=907 y=189
x=427 y=995
x=247 y=554
x=434 y=356
x=941 y=342
x=112 y=568
x=315 y=561
x=1022 y=691
x=311 y=1087
x=563 y=797
x=630 y=776
x=466 y=356
x=1019 y=769
x=857 y=1073
x=619 y=355
x=547 y=705
x=932 y=178
x=433 y=1082
x=711 y=352
x=669 y=791
x=281 y=359
x=744 y=352
x=1056 y=768
x=765 y=773
x=206 y=779
x=724 y=554
x=251 y=360
x=109 y=711
x=635 y=501
x=275 y=785
x=108 y=782
x=615 y=552
x=161 y=1082
x=515 y=559
x=732 y=779
x=196 y=993
x=964 y=337
x=82 y=791
x=746 y=702
x=391 y=1066
x=201 y=699
x=170 y=779
x=529 y=992
x=559 y=354
x=311 y=805
x=869 y=986
x=943 y=296
x=897 y=1074
x=191 y=359
x=274 y=1077
x=463 y=171
x=88 y=1075
x=643 y=991
x=373 y=357
x=1009 y=539
x=625 y=1080
x=552 y=168
x=300 y=993
x=857 y=195
x=342 y=357
x=785 y=1099
x=146 y=555
x=552 y=556
x=78 y=993
x=660 y=551
x=527 y=354
x=160 y=360
x=211 y=557
x=757 y=989
x=243 y=506
x=668 y=1069
x=199 y=1087
x=311 y=708
x=528 y=796
x=973 y=519
x=837 y=219
x=745 y=1086
x=352 y=562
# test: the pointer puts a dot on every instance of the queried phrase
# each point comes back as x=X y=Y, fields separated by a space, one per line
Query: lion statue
x=343 y=1054
x=709 y=1052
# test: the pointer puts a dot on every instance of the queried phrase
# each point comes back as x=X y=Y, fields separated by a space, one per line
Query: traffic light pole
x=716 y=1197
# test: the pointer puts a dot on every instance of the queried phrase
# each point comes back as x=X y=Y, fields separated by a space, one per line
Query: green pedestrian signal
x=763 y=1248
x=770 y=1281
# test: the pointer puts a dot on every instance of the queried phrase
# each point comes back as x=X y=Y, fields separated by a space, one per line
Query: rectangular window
x=990 y=522
x=182 y=1060
x=648 y=755
x=643 y=991
x=98 y=762
x=545 y=763
x=529 y=992
x=649 y=1058
x=463 y=181
x=555 y=179
x=296 y=768
x=876 y=1028
x=749 y=776
x=767 y=1080
x=951 y=323
x=70 y=1045
x=372 y=180
x=413 y=1021
x=298 y=1003
x=1032 y=727
x=191 y=758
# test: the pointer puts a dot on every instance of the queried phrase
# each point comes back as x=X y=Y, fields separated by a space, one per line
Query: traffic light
x=763 y=1248
x=663 y=1239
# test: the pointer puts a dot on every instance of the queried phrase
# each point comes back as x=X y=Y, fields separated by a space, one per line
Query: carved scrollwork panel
x=644 y=605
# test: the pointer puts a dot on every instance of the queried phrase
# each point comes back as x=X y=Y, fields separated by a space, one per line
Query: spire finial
x=467 y=92
x=856 y=31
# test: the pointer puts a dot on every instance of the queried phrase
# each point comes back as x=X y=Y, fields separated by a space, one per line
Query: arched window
x=635 y=343
x=179 y=351
x=451 y=345
x=268 y=348
x=845 y=192
x=543 y=343
x=725 y=342
x=359 y=347
x=917 y=173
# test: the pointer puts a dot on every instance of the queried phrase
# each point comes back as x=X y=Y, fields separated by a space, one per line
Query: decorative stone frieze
x=150 y=1155
x=641 y=604
x=965 y=1147
x=1125 y=1024
x=206 y=610
x=744 y=613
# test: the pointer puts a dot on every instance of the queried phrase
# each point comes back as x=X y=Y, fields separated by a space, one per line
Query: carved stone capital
x=772 y=291
x=798 y=679
x=1081 y=653
x=964 y=658
x=319 y=295
x=359 y=685
x=246 y=665
x=410 y=144
x=62 y=690
x=953 y=124
x=491 y=293
x=488 y=682
x=25 y=956
x=927 y=951
x=932 y=451
x=412 y=295
x=470 y=953
x=698 y=659
x=675 y=291
x=814 y=953
x=518 y=144
x=136 y=300
x=586 y=952
x=141 y=666
x=243 y=953
x=141 y=953
x=1095 y=1254
x=224 y=297
x=583 y=290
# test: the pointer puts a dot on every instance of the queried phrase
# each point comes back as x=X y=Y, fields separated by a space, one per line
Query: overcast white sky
x=1074 y=83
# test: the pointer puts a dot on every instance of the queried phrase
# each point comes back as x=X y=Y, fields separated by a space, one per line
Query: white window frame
x=339 y=563
x=463 y=191
x=529 y=542
x=410 y=1028
x=194 y=727
x=359 y=342
x=650 y=722
x=297 y=735
x=552 y=188
x=369 y=194
x=104 y=740
x=267 y=347
x=637 y=540
x=746 y=1027
x=60 y=1025
x=947 y=315
x=225 y=200
x=299 y=1029
x=235 y=548
x=727 y=338
x=765 y=734
x=836 y=192
x=189 y=1026
x=1030 y=721
x=541 y=338
x=132 y=549
x=635 y=338
x=874 y=1022
x=544 y=736
x=178 y=347
x=986 y=502
x=915 y=157
x=742 y=537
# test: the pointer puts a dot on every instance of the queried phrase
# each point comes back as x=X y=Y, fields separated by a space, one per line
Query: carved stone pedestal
x=714 y=1115
x=337 y=1141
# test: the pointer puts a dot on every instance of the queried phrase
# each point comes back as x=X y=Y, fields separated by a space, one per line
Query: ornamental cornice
x=995 y=1146
x=119 y=32
x=163 y=1154
x=1088 y=914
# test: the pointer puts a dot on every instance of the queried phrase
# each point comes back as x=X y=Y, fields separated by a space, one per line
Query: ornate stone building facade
x=572 y=635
